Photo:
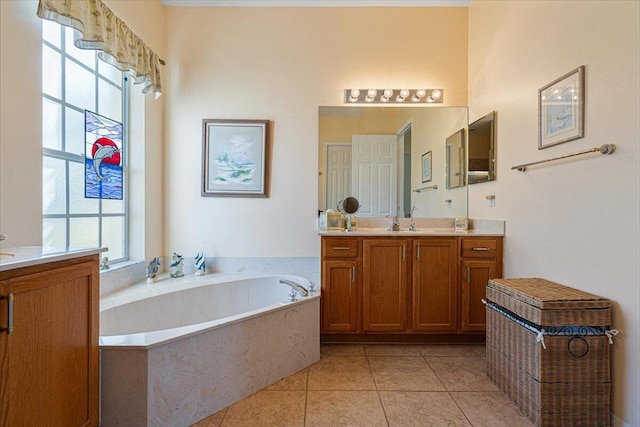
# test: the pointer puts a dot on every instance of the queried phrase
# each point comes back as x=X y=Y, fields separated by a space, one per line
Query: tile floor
x=380 y=385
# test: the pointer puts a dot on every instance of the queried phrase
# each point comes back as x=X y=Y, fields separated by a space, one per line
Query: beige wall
x=574 y=222
x=20 y=123
x=281 y=64
x=21 y=132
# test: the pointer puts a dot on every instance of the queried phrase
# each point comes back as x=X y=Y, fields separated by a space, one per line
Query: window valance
x=99 y=29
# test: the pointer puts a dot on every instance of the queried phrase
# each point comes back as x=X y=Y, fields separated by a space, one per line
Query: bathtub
x=179 y=350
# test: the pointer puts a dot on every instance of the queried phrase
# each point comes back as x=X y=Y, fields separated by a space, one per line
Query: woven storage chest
x=566 y=384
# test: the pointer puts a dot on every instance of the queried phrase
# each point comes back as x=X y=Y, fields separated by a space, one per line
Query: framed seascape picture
x=235 y=158
x=561 y=109
x=426 y=167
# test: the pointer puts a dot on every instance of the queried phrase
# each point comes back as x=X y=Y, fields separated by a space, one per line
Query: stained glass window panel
x=103 y=157
x=54 y=182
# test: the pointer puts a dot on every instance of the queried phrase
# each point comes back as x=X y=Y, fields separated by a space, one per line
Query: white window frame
x=79 y=158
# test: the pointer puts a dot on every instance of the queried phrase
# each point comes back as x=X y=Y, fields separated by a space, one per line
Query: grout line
x=306 y=397
x=378 y=391
x=456 y=402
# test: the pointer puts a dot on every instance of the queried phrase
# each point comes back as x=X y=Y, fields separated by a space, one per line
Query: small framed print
x=561 y=110
x=426 y=167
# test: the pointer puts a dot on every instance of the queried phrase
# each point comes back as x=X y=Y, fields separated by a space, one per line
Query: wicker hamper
x=566 y=384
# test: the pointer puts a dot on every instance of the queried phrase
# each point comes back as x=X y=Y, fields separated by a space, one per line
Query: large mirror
x=375 y=154
x=482 y=148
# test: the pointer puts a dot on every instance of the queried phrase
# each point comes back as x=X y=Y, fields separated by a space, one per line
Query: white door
x=338 y=174
x=374 y=176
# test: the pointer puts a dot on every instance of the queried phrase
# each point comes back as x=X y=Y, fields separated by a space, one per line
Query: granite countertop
x=27 y=256
x=424 y=227
x=419 y=232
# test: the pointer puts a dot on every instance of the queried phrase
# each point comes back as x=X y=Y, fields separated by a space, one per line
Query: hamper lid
x=545 y=294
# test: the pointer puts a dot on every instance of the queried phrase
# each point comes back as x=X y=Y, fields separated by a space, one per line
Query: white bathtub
x=179 y=350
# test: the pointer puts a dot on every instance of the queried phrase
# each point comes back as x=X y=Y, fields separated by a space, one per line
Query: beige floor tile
x=344 y=408
x=439 y=350
x=213 y=421
x=462 y=373
x=391 y=350
x=341 y=350
x=490 y=409
x=341 y=373
x=267 y=408
x=404 y=373
x=421 y=409
x=481 y=350
x=297 y=381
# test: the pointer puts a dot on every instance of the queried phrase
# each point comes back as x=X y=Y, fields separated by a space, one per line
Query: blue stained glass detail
x=103 y=157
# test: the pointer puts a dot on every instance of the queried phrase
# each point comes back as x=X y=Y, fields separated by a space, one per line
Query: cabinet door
x=340 y=295
x=50 y=362
x=435 y=285
x=384 y=285
x=475 y=276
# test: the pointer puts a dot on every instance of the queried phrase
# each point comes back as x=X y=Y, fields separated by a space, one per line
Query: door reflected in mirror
x=482 y=148
x=455 y=159
x=374 y=154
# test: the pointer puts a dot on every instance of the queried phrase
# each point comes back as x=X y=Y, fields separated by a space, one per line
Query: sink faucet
x=395 y=226
x=412 y=226
x=295 y=287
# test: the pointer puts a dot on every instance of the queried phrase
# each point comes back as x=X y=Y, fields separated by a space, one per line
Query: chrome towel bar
x=420 y=190
x=604 y=149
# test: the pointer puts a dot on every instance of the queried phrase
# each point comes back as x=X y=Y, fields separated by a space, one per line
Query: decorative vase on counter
x=175 y=268
x=152 y=270
x=200 y=267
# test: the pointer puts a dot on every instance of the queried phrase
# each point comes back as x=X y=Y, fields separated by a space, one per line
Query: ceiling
x=318 y=3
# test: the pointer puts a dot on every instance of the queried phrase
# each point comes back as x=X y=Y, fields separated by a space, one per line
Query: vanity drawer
x=339 y=248
x=479 y=248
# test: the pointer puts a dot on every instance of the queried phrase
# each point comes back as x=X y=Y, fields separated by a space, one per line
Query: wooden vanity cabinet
x=341 y=277
x=481 y=260
x=49 y=364
x=384 y=284
x=435 y=284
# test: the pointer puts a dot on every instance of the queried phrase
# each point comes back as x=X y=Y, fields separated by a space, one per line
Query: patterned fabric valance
x=98 y=28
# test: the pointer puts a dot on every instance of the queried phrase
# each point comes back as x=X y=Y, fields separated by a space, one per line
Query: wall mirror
x=455 y=157
x=482 y=149
x=375 y=155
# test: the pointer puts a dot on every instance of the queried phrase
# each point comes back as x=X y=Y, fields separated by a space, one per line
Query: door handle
x=418 y=252
x=340 y=248
x=9 y=328
x=404 y=252
x=353 y=274
x=480 y=249
x=468 y=274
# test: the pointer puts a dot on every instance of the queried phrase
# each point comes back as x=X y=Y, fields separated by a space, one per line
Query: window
x=74 y=80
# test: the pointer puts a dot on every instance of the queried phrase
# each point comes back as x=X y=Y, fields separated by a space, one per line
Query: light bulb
x=388 y=93
x=353 y=99
x=399 y=98
x=420 y=93
x=384 y=98
x=404 y=93
x=355 y=93
x=372 y=93
x=368 y=99
x=415 y=98
x=436 y=94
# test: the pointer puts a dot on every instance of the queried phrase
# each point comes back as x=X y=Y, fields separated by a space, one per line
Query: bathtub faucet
x=295 y=287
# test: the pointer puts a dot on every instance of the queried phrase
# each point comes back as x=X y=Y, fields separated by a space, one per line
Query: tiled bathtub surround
x=381 y=385
x=180 y=349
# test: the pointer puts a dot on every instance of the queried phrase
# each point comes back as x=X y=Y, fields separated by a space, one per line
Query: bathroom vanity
x=423 y=285
x=49 y=360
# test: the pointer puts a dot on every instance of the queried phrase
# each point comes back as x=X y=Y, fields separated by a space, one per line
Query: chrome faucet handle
x=293 y=295
x=312 y=286
x=412 y=226
x=3 y=237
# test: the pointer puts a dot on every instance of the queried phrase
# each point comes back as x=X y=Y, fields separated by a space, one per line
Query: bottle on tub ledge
x=175 y=268
x=200 y=267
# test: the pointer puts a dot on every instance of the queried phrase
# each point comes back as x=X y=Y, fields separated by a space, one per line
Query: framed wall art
x=235 y=158
x=561 y=109
x=426 y=167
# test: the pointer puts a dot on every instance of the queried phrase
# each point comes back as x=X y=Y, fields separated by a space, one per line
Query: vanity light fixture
x=393 y=96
